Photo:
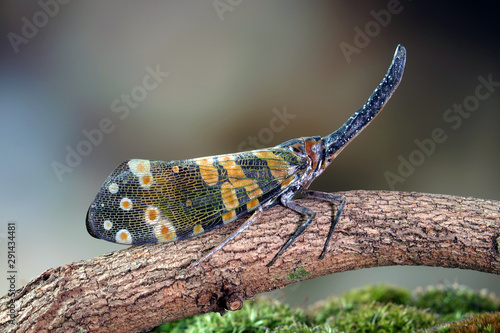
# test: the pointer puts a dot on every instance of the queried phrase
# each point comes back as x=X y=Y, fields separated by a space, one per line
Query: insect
x=146 y=201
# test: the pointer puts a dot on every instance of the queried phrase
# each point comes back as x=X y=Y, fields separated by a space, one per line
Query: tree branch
x=141 y=287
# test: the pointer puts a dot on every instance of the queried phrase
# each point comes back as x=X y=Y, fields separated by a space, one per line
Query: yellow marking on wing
x=240 y=183
x=208 y=172
x=238 y=178
x=255 y=193
x=253 y=204
x=198 y=229
x=152 y=215
x=278 y=167
x=165 y=231
x=229 y=197
x=234 y=171
x=146 y=180
x=229 y=216
x=224 y=158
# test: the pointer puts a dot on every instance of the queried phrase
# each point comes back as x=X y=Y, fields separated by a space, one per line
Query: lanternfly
x=145 y=201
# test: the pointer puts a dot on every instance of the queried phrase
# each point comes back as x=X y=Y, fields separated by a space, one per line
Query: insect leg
x=309 y=213
x=331 y=198
x=245 y=225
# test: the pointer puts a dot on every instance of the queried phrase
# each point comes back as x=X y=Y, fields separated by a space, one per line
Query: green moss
x=369 y=309
x=379 y=293
x=304 y=328
x=454 y=302
x=352 y=299
x=487 y=322
x=376 y=317
x=298 y=274
x=374 y=309
x=255 y=316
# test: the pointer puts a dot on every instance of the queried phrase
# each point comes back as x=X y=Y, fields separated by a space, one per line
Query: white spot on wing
x=113 y=188
x=139 y=167
x=108 y=225
x=126 y=204
x=123 y=237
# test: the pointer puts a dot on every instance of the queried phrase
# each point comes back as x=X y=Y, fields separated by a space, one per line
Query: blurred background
x=87 y=85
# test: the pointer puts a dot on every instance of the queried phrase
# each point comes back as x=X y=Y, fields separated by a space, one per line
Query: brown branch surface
x=140 y=287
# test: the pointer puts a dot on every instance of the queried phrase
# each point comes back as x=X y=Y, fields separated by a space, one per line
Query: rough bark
x=140 y=287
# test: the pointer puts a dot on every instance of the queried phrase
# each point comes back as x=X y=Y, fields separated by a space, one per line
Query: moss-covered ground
x=381 y=308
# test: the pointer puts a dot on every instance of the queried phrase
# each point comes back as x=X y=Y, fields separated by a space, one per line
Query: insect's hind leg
x=255 y=216
x=331 y=198
x=309 y=213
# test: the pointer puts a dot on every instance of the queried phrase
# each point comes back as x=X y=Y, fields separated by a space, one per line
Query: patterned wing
x=146 y=201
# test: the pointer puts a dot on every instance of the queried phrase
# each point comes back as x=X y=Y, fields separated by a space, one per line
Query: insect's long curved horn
x=338 y=140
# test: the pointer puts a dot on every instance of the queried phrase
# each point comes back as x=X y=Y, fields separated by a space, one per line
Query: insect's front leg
x=331 y=198
x=308 y=213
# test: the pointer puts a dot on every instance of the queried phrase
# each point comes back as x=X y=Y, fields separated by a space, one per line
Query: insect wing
x=146 y=201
